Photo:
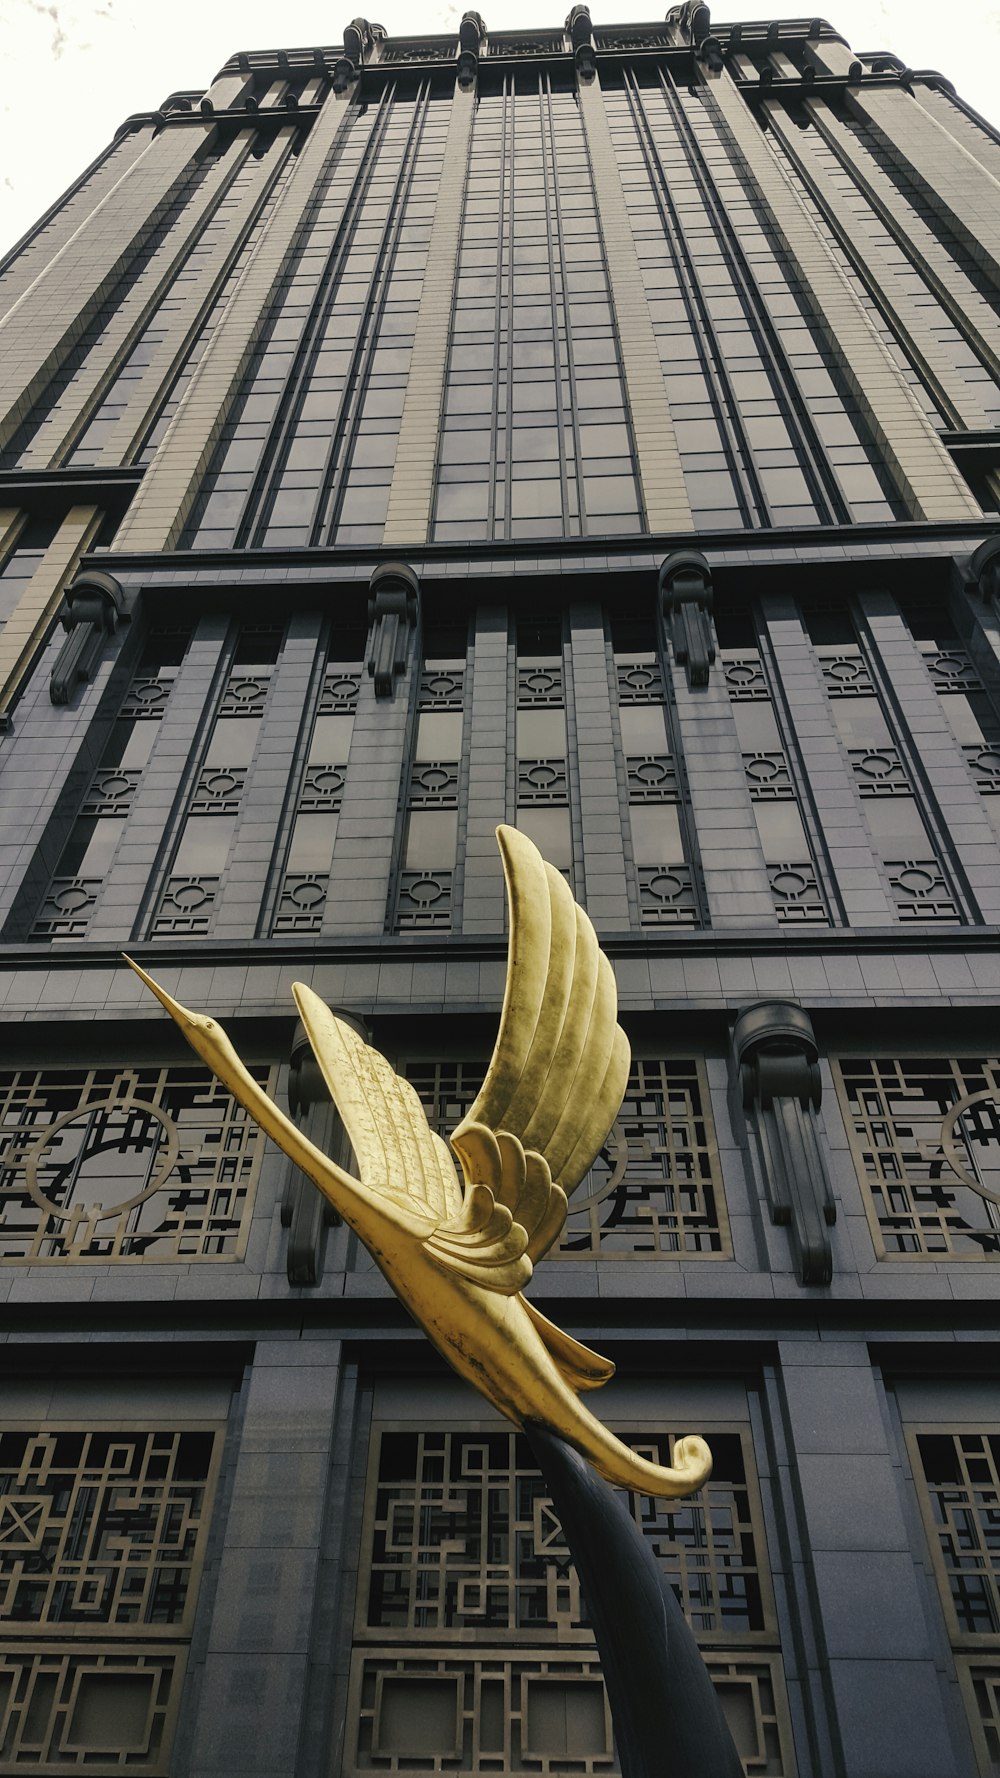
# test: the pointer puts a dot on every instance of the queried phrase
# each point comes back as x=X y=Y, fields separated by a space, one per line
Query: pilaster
x=605 y=887
x=483 y=897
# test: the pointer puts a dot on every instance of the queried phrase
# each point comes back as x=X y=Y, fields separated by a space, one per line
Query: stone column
x=659 y=466
x=874 y=1651
x=605 y=885
x=490 y=746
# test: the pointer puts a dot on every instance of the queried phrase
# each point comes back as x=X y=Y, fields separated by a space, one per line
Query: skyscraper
x=597 y=430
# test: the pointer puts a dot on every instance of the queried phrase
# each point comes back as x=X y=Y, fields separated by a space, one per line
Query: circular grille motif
x=96 y=1148
x=973 y=1127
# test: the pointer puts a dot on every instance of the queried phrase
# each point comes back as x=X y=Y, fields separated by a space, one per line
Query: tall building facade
x=597 y=430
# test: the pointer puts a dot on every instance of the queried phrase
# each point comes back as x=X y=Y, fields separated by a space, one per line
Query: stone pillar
x=659 y=466
x=490 y=747
x=251 y=1689
x=874 y=1652
x=604 y=882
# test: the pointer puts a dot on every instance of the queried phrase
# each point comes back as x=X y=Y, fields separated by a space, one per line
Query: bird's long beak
x=183 y=1017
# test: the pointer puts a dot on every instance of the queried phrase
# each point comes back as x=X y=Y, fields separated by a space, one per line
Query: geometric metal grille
x=797 y=898
x=68 y=905
x=339 y=693
x=919 y=890
x=652 y=778
x=424 y=899
x=846 y=675
x=745 y=681
x=218 y=790
x=666 y=895
x=442 y=688
x=102 y=1532
x=655 y=1188
x=462 y=1543
x=434 y=785
x=114 y=1164
x=879 y=771
x=102 y=1542
x=951 y=669
x=768 y=777
x=302 y=900
x=542 y=781
x=958 y=1473
x=540 y=686
x=984 y=763
x=186 y=905
x=925 y=1136
x=111 y=792
x=483 y=1655
x=639 y=682
x=980 y=1683
x=245 y=694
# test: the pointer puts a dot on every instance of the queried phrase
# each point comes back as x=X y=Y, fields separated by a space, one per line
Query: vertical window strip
x=425 y=897
x=542 y=782
x=658 y=821
x=320 y=466
x=971 y=712
x=95 y=436
x=774 y=794
x=919 y=883
x=197 y=871
x=305 y=878
x=167 y=408
x=535 y=439
x=74 y=890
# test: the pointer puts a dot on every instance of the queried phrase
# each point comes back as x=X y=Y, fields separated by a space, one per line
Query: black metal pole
x=667 y=1718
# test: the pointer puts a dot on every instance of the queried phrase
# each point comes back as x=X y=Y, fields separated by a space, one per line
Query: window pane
x=331 y=740
x=644 y=728
x=430 y=839
x=895 y=823
x=860 y=722
x=656 y=834
x=550 y=830
x=205 y=846
x=781 y=833
x=233 y=741
x=312 y=842
x=756 y=728
x=541 y=734
x=439 y=735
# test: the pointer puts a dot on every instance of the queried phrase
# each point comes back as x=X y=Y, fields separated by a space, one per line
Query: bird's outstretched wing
x=551 y=1093
x=399 y=1156
x=561 y=1061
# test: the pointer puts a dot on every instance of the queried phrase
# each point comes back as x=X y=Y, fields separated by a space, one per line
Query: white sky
x=72 y=70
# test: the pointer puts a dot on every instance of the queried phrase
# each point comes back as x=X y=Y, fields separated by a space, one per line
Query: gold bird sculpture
x=459 y=1260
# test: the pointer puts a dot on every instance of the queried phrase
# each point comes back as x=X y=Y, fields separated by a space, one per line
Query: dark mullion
x=252 y=529
x=329 y=501
x=736 y=444
x=831 y=507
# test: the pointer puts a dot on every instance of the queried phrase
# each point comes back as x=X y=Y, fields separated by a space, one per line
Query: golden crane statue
x=460 y=1259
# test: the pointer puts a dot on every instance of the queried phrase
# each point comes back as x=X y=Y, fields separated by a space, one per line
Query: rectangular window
x=426 y=884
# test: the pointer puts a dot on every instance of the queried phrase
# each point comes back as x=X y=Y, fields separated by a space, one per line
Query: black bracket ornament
x=579 y=27
x=685 y=602
x=984 y=570
x=360 y=38
x=691 y=21
x=393 y=603
x=775 y=1094
x=472 y=32
x=305 y=1213
x=93 y=605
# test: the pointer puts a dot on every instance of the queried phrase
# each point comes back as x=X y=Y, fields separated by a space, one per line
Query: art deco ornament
x=460 y=1259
